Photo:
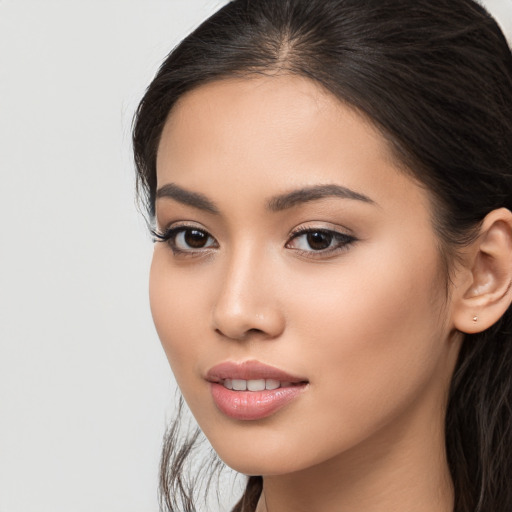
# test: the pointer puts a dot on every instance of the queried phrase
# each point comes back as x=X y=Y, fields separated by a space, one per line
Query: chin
x=262 y=465
x=275 y=455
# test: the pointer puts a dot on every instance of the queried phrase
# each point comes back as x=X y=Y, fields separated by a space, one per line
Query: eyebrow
x=200 y=201
x=276 y=204
x=304 y=195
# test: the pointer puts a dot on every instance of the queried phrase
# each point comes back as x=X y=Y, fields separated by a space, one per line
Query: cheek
x=372 y=333
x=175 y=308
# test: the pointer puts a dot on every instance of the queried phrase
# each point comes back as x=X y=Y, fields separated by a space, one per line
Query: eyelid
x=172 y=230
x=344 y=236
x=159 y=233
x=321 y=226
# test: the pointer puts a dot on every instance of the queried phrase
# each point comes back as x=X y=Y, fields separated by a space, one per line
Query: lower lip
x=253 y=405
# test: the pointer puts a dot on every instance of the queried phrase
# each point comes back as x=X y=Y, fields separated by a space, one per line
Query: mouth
x=257 y=384
x=251 y=376
x=252 y=390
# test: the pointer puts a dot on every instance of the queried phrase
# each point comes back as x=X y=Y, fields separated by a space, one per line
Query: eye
x=320 y=241
x=186 y=239
x=192 y=239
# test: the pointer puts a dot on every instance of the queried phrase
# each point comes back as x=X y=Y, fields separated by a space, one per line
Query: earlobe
x=485 y=289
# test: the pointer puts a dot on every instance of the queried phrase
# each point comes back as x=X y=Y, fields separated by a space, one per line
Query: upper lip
x=249 y=370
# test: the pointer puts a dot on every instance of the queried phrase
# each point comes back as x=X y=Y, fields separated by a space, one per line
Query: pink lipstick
x=252 y=390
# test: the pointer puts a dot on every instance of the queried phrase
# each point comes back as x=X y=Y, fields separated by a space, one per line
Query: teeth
x=239 y=384
x=272 y=384
x=254 y=385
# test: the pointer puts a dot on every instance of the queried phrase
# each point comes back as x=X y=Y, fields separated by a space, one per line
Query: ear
x=484 y=285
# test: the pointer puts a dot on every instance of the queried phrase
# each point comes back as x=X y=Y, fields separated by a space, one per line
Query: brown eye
x=319 y=240
x=183 y=239
x=195 y=239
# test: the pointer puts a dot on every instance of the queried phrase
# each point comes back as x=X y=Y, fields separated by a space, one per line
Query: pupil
x=195 y=238
x=319 y=240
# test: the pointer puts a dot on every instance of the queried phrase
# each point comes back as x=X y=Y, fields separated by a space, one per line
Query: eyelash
x=169 y=237
x=342 y=241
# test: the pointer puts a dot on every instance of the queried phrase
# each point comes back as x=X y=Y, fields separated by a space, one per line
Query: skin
x=368 y=324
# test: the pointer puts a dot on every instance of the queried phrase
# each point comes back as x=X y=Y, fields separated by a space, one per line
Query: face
x=298 y=261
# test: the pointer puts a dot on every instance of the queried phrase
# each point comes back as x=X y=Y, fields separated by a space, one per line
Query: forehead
x=288 y=104
x=272 y=133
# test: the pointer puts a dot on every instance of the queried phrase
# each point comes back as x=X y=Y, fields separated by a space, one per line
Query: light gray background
x=84 y=385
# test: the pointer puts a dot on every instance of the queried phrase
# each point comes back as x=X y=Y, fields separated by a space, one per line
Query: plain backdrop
x=85 y=390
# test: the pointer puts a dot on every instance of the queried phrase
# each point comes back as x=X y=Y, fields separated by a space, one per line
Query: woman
x=331 y=183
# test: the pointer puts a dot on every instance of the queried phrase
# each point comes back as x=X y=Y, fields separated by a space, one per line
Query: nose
x=247 y=303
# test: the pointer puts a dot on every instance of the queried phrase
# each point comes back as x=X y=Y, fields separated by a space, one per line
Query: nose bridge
x=246 y=302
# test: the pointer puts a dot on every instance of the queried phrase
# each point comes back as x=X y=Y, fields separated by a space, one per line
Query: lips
x=252 y=390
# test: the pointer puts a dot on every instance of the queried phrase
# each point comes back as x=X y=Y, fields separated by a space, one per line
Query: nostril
x=244 y=335
x=255 y=331
x=242 y=320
